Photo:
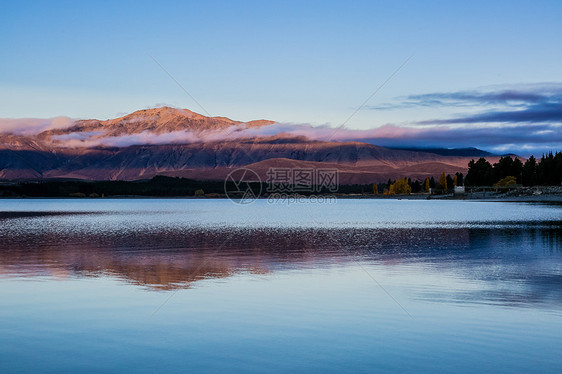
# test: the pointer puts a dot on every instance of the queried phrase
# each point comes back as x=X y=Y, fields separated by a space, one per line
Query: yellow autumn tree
x=443 y=181
x=426 y=184
x=400 y=187
x=506 y=182
x=375 y=189
x=455 y=181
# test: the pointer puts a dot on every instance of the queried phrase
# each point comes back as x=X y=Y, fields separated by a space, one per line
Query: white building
x=459 y=190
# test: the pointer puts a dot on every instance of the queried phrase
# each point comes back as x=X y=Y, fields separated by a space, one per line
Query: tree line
x=158 y=186
x=405 y=186
x=545 y=172
x=507 y=171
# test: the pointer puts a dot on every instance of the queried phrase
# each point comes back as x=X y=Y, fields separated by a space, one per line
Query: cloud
x=514 y=138
x=515 y=119
x=522 y=117
x=536 y=103
x=536 y=113
x=543 y=136
x=97 y=138
x=499 y=97
x=33 y=126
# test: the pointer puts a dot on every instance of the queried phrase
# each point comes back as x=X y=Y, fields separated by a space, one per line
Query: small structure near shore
x=459 y=191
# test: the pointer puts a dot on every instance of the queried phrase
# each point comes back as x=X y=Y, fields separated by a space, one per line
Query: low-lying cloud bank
x=521 y=139
x=524 y=120
x=97 y=138
x=33 y=126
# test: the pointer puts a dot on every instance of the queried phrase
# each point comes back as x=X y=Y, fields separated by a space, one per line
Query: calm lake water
x=211 y=286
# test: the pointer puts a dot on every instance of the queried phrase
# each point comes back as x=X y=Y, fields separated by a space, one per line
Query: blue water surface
x=186 y=285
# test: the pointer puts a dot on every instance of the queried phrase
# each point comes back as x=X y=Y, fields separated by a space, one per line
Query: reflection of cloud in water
x=509 y=266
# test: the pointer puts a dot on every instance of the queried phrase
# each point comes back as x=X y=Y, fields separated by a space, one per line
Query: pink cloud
x=514 y=137
x=33 y=126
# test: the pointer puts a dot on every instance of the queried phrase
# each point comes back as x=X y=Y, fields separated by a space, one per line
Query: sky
x=436 y=73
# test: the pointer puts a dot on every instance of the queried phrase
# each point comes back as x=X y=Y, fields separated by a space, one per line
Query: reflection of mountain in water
x=511 y=265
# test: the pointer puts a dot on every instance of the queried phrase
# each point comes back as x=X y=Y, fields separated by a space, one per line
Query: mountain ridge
x=210 y=154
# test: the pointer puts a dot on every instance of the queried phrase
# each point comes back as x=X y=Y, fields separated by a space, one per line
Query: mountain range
x=179 y=142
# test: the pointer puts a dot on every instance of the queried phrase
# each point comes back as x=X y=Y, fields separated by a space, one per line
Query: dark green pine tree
x=529 y=174
x=480 y=173
x=460 y=179
x=449 y=182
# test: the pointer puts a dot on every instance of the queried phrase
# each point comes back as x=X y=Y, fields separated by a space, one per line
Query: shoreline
x=543 y=198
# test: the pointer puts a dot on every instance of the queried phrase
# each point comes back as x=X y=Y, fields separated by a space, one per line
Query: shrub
x=506 y=182
x=400 y=187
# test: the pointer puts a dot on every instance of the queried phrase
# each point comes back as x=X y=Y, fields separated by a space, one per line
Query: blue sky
x=293 y=62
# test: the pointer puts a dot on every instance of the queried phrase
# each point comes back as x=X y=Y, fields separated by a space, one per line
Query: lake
x=201 y=285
